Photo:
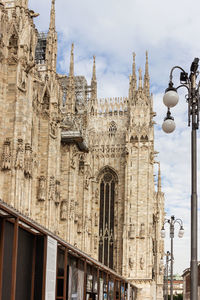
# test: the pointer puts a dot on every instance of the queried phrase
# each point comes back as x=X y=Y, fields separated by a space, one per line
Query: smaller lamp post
x=172 y=222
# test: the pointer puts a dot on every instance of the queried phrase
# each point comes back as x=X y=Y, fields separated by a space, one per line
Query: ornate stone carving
x=42 y=189
x=28 y=160
x=6 y=156
x=19 y=163
x=53 y=129
x=63 y=210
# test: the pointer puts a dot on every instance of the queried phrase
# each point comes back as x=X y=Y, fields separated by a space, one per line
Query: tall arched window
x=106 y=221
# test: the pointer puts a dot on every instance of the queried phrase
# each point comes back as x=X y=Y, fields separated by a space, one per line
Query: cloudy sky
x=112 y=30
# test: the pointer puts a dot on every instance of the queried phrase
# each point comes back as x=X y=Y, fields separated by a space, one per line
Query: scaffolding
x=40 y=52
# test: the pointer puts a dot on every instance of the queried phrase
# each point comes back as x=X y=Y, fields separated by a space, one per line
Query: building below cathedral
x=80 y=166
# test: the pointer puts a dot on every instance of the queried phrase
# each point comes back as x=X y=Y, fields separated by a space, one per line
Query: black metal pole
x=194 y=206
x=171 y=274
x=167 y=276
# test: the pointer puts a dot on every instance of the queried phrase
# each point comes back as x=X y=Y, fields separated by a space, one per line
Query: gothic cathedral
x=82 y=167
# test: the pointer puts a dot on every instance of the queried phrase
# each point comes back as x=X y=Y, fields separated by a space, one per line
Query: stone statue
x=28 y=160
x=63 y=210
x=19 y=163
x=52 y=192
x=41 y=189
x=142 y=263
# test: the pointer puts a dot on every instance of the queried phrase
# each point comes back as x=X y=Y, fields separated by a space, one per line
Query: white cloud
x=112 y=30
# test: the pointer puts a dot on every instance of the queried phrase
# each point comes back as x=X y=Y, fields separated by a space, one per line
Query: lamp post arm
x=172 y=70
x=179 y=221
x=183 y=85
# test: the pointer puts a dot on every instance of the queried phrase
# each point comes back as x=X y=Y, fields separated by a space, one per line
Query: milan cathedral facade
x=82 y=167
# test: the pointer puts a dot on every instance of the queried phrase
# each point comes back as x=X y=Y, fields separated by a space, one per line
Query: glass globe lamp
x=168 y=125
x=170 y=98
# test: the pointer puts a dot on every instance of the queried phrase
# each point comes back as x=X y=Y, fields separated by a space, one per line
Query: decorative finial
x=71 y=70
x=147 y=65
x=146 y=76
x=94 y=69
x=133 y=69
x=52 y=17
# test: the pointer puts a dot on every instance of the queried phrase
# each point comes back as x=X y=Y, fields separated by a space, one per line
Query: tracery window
x=112 y=129
x=106 y=221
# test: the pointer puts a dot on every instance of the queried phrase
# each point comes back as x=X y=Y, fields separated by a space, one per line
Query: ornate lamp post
x=170 y=99
x=172 y=222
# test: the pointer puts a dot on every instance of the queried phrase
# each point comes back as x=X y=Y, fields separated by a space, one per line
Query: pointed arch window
x=106 y=221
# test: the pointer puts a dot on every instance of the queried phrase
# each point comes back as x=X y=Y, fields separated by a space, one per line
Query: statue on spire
x=146 y=76
x=71 y=69
x=94 y=81
x=94 y=69
x=133 y=79
x=52 y=25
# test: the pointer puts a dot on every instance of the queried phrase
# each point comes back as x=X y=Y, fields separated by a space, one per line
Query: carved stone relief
x=6 y=156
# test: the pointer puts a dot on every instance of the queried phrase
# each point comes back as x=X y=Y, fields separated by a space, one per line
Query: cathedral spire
x=133 y=67
x=140 y=79
x=94 y=81
x=94 y=70
x=52 y=16
x=71 y=69
x=133 y=79
x=146 y=75
x=159 y=179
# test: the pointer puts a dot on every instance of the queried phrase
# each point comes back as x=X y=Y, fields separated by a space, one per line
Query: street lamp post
x=170 y=99
x=172 y=222
x=168 y=254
